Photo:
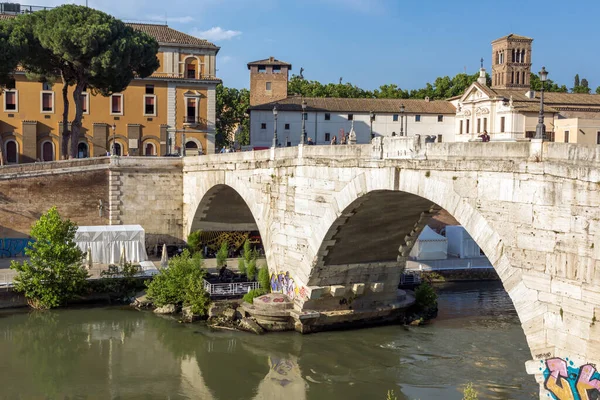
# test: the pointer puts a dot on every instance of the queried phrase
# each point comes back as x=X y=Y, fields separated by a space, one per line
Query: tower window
x=518 y=75
x=277 y=69
x=598 y=137
x=268 y=86
x=262 y=69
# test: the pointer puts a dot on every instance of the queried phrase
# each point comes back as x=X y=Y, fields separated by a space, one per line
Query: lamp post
x=371 y=118
x=303 y=136
x=114 y=141
x=540 y=129
x=274 y=145
x=183 y=142
x=402 y=119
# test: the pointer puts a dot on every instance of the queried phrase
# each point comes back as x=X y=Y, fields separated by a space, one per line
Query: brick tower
x=511 y=62
x=268 y=80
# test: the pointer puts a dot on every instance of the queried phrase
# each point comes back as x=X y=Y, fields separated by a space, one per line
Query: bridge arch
x=375 y=220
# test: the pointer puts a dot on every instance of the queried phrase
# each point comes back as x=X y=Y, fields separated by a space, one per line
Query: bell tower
x=511 y=62
x=268 y=80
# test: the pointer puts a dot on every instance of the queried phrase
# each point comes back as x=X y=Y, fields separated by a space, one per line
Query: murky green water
x=117 y=353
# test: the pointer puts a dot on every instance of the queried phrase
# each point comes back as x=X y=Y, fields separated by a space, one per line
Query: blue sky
x=373 y=42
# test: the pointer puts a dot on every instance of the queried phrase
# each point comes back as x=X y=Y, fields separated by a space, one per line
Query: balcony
x=166 y=75
x=194 y=122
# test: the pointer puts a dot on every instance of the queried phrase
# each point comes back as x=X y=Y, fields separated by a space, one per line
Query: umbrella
x=164 y=260
x=88 y=258
x=123 y=258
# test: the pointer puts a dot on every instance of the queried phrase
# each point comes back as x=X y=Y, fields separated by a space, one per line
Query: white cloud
x=166 y=18
x=215 y=33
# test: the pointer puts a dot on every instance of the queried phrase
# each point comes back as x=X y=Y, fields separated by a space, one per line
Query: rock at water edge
x=140 y=300
x=250 y=325
x=168 y=309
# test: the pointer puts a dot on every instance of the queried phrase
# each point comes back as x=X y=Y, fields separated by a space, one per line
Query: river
x=119 y=353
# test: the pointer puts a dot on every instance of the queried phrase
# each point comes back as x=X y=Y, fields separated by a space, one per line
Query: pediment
x=472 y=94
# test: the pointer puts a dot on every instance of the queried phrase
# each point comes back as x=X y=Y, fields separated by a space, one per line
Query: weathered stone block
x=358 y=288
x=376 y=287
x=337 y=290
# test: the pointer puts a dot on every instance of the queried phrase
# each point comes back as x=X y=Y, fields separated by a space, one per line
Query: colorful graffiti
x=284 y=283
x=566 y=382
x=13 y=247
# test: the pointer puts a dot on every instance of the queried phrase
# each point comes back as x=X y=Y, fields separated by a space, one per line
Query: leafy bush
x=54 y=273
x=196 y=297
x=171 y=284
x=120 y=285
x=251 y=270
x=222 y=254
x=251 y=295
x=194 y=242
x=425 y=296
x=242 y=266
x=470 y=393
x=264 y=279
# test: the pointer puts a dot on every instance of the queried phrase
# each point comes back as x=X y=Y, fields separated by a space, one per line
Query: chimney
x=271 y=59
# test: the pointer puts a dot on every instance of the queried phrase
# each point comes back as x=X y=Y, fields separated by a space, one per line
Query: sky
x=375 y=42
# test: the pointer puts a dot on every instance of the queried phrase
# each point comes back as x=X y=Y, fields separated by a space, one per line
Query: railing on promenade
x=229 y=289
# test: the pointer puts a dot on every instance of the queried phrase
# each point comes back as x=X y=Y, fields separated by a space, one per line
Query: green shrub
x=425 y=296
x=248 y=253
x=54 y=273
x=120 y=285
x=222 y=254
x=470 y=393
x=196 y=297
x=251 y=295
x=171 y=284
x=251 y=270
x=194 y=242
x=264 y=279
x=242 y=266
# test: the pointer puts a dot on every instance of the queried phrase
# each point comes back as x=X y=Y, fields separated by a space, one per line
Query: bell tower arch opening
x=511 y=62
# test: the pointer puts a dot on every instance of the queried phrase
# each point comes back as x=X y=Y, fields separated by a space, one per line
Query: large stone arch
x=373 y=189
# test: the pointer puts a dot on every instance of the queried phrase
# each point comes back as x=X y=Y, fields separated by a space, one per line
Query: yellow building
x=151 y=117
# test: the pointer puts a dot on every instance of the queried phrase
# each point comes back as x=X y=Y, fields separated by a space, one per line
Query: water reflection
x=117 y=353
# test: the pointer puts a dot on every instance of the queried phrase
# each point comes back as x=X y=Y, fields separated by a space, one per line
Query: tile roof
x=269 y=61
x=513 y=37
x=569 y=100
x=336 y=104
x=162 y=33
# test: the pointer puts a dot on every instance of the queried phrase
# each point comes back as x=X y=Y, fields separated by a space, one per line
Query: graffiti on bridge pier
x=566 y=382
x=13 y=247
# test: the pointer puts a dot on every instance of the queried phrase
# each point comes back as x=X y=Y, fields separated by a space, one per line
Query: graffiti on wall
x=284 y=283
x=565 y=381
x=13 y=247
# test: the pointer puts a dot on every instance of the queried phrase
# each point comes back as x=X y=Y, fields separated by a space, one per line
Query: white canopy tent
x=460 y=243
x=106 y=242
x=430 y=246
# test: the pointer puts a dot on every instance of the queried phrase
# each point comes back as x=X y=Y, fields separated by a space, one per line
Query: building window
x=598 y=137
x=263 y=126
x=305 y=116
x=47 y=151
x=47 y=102
x=149 y=89
x=11 y=100
x=512 y=77
x=12 y=152
x=468 y=126
x=485 y=124
x=440 y=118
x=518 y=76
x=46 y=86
x=118 y=150
x=150 y=105
x=439 y=138
x=268 y=85
x=11 y=85
x=149 y=149
x=417 y=118
x=85 y=103
x=287 y=127
x=327 y=137
x=116 y=104
x=191 y=71
x=327 y=116
x=460 y=127
x=82 y=150
x=191 y=110
x=478 y=125
x=395 y=118
x=276 y=69
x=262 y=69
x=502 y=124
x=350 y=117
x=566 y=136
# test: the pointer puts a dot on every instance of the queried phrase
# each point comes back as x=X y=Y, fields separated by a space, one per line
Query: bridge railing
x=229 y=289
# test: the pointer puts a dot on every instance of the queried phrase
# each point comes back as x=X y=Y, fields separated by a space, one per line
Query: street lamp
x=303 y=136
x=371 y=118
x=183 y=142
x=402 y=120
x=540 y=129
x=114 y=142
x=274 y=145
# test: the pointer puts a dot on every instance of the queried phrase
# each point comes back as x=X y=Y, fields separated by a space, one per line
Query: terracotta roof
x=552 y=98
x=270 y=61
x=165 y=35
x=336 y=104
x=513 y=37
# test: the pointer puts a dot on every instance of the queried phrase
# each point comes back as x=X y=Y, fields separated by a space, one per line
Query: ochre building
x=152 y=117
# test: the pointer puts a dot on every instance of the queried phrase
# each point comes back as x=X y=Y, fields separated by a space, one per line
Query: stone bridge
x=338 y=222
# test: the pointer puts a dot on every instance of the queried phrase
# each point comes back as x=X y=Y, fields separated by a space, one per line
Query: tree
x=584 y=83
x=576 y=81
x=85 y=48
x=549 y=86
x=232 y=115
x=598 y=90
x=222 y=254
x=54 y=273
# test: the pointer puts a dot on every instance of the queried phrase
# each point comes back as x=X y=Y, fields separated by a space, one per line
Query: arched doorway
x=12 y=152
x=47 y=151
x=82 y=150
x=149 y=149
x=118 y=150
x=191 y=148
